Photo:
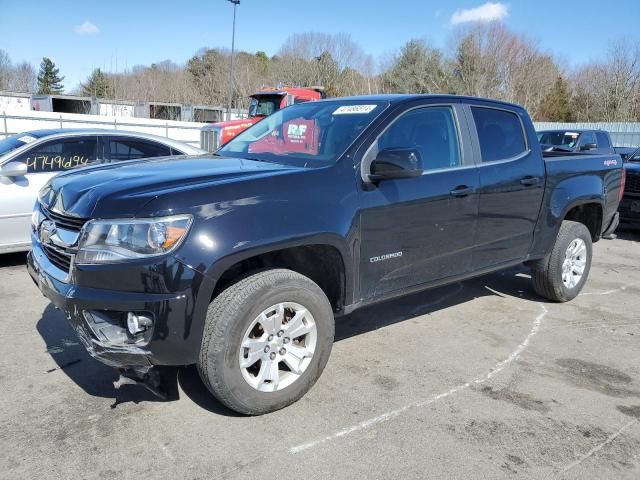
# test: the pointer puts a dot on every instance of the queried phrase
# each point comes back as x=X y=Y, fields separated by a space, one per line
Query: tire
x=549 y=279
x=231 y=322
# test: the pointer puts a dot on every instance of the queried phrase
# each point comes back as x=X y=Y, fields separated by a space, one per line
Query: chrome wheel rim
x=575 y=260
x=278 y=347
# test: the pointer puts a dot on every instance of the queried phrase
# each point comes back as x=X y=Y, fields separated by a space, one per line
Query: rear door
x=419 y=230
x=512 y=177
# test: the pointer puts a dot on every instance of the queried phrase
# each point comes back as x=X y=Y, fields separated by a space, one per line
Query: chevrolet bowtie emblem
x=47 y=230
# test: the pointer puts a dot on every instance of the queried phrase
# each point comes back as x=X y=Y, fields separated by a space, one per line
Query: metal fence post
x=6 y=131
x=60 y=121
x=166 y=129
x=115 y=123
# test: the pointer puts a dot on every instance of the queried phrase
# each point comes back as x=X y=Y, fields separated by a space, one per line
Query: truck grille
x=58 y=257
x=56 y=254
x=210 y=139
x=633 y=183
x=65 y=221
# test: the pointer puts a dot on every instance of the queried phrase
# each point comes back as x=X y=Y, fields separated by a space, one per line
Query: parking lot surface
x=480 y=379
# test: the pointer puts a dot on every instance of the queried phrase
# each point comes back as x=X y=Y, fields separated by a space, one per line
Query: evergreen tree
x=49 y=80
x=417 y=69
x=556 y=105
x=97 y=85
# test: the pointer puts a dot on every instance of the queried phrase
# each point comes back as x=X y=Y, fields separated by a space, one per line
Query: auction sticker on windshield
x=354 y=109
x=27 y=139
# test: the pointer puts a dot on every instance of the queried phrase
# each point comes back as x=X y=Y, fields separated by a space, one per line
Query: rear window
x=500 y=134
x=133 y=149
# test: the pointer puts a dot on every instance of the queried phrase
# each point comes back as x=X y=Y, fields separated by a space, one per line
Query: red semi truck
x=263 y=103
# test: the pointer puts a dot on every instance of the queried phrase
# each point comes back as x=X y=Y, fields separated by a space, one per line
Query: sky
x=118 y=34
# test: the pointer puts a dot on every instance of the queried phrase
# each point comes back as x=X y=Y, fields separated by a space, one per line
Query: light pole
x=233 y=42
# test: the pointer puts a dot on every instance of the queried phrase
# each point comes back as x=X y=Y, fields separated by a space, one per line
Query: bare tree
x=5 y=70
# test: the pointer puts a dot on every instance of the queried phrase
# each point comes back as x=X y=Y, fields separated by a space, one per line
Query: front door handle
x=461 y=191
x=529 y=181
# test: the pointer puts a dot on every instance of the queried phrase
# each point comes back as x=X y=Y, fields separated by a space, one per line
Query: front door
x=18 y=195
x=419 y=230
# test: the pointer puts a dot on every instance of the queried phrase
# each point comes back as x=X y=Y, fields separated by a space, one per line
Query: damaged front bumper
x=99 y=318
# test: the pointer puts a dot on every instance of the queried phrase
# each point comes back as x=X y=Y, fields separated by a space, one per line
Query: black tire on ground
x=547 y=273
x=229 y=316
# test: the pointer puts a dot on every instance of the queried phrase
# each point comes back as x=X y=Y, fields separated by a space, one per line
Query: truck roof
x=397 y=98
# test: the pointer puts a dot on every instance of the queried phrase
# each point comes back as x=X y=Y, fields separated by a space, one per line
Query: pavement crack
x=597 y=448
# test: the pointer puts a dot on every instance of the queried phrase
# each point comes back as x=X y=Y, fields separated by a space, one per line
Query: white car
x=28 y=160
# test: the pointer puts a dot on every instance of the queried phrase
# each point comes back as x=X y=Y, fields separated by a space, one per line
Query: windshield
x=13 y=142
x=306 y=134
x=264 y=106
x=559 y=139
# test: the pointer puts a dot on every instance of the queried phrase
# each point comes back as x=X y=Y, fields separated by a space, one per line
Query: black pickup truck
x=239 y=261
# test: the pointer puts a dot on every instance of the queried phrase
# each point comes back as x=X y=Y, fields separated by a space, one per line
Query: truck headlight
x=111 y=241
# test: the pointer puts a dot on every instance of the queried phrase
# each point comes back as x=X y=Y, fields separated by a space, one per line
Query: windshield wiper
x=255 y=159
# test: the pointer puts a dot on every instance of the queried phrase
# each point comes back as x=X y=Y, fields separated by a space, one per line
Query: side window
x=60 y=155
x=431 y=130
x=132 y=149
x=603 y=140
x=500 y=134
x=587 y=138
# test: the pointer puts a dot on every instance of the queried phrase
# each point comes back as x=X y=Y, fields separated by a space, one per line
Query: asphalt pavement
x=480 y=379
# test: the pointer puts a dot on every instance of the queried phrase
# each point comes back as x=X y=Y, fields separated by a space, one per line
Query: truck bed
x=585 y=172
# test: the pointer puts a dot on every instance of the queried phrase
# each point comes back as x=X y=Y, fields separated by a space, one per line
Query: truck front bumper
x=99 y=317
x=630 y=208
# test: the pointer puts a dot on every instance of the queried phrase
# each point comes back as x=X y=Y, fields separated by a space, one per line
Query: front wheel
x=561 y=275
x=267 y=339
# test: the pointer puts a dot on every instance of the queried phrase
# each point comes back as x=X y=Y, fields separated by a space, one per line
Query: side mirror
x=588 y=146
x=396 y=163
x=13 y=169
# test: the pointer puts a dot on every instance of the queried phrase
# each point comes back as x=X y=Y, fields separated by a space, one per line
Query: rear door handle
x=528 y=181
x=461 y=191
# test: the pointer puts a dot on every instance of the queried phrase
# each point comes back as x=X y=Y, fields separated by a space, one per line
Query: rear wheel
x=267 y=339
x=561 y=275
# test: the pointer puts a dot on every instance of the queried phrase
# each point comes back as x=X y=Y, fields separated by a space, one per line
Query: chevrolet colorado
x=239 y=261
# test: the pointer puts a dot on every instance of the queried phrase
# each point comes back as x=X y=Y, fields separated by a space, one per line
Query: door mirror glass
x=588 y=146
x=13 y=169
x=396 y=163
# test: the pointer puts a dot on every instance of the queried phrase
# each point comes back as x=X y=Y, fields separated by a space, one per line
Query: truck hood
x=240 y=124
x=123 y=189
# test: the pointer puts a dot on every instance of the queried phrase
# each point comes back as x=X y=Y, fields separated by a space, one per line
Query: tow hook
x=148 y=378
